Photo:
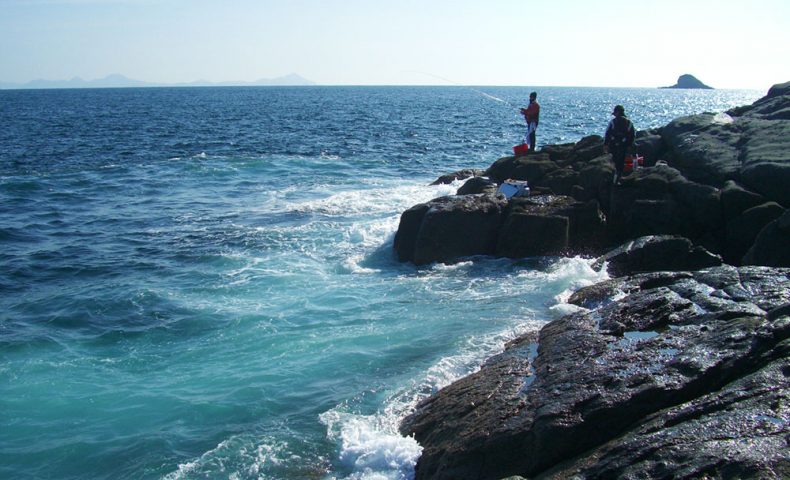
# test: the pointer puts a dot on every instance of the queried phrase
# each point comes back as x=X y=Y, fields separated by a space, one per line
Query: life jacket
x=621 y=132
x=532 y=112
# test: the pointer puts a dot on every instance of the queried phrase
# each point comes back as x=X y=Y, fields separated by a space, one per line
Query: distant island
x=689 y=81
x=120 y=81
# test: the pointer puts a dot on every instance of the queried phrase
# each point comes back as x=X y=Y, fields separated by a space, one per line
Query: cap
x=618 y=108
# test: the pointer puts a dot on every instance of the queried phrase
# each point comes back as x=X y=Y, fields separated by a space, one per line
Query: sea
x=199 y=283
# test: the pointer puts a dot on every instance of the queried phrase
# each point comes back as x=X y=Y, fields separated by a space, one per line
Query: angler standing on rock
x=619 y=137
x=531 y=115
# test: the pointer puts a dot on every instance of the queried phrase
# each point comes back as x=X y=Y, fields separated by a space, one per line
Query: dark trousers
x=618 y=157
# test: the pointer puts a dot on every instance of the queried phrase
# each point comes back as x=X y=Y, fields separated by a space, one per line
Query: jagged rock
x=477 y=185
x=685 y=374
x=772 y=245
x=656 y=253
x=702 y=436
x=449 y=228
x=459 y=175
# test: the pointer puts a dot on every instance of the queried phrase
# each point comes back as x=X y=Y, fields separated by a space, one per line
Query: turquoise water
x=199 y=283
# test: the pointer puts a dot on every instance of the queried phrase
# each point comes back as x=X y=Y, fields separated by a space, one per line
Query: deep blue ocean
x=199 y=283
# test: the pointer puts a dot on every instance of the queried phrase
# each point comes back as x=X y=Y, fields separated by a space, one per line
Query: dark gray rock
x=530 y=167
x=686 y=376
x=735 y=200
x=650 y=145
x=743 y=229
x=550 y=225
x=772 y=245
x=477 y=185
x=654 y=254
x=448 y=228
x=459 y=175
x=703 y=438
x=703 y=148
x=661 y=201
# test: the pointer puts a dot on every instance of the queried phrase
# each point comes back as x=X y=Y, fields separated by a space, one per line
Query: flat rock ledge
x=686 y=376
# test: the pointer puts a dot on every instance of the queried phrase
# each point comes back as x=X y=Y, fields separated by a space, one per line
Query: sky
x=603 y=43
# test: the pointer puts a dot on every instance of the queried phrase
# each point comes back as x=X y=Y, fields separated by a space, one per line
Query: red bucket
x=520 y=149
x=632 y=162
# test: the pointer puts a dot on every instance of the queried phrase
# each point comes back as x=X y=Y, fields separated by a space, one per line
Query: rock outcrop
x=689 y=81
x=716 y=179
x=679 y=367
x=686 y=376
x=456 y=226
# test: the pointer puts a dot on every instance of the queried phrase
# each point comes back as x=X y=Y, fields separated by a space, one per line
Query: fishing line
x=511 y=108
x=486 y=95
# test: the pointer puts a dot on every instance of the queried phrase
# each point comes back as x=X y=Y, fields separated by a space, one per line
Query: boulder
x=650 y=145
x=703 y=148
x=477 y=185
x=656 y=253
x=459 y=175
x=684 y=376
x=550 y=225
x=735 y=200
x=587 y=148
x=531 y=167
x=661 y=201
x=743 y=229
x=772 y=245
x=448 y=228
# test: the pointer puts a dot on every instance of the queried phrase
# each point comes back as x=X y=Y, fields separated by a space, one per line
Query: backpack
x=622 y=132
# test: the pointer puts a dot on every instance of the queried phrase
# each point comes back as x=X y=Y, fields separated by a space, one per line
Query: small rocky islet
x=676 y=367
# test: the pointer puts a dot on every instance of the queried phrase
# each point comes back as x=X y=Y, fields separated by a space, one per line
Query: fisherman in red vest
x=531 y=115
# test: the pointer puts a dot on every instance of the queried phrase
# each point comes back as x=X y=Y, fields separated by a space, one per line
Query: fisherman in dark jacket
x=618 y=139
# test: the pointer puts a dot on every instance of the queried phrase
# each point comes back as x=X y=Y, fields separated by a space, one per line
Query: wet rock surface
x=664 y=374
x=676 y=368
x=656 y=253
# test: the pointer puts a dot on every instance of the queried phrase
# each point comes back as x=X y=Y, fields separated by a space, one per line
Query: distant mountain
x=689 y=81
x=120 y=81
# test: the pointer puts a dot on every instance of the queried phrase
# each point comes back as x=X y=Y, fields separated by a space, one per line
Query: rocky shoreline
x=678 y=366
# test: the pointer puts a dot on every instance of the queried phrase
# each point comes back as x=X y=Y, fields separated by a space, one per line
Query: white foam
x=371 y=445
x=236 y=457
x=379 y=199
x=576 y=272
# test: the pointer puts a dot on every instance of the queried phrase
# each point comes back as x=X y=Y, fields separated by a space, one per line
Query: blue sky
x=725 y=43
